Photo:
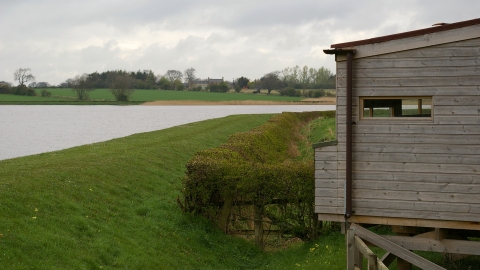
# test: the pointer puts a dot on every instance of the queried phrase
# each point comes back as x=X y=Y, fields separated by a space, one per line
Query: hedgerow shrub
x=315 y=93
x=290 y=92
x=255 y=170
x=22 y=90
x=221 y=87
x=45 y=93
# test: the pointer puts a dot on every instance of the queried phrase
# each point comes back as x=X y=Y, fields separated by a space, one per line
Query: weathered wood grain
x=471 y=139
x=413 y=167
x=432 y=215
x=328 y=210
x=461 y=110
x=413 y=72
x=330 y=202
x=416 y=148
x=325 y=174
x=326 y=192
x=454 y=208
x=438 y=90
x=457 y=100
x=380 y=63
x=326 y=183
x=407 y=128
x=421 y=178
x=413 y=82
x=417 y=196
x=457 y=119
x=443 y=246
x=370 y=156
x=419 y=185
x=326 y=157
x=412 y=43
x=475 y=42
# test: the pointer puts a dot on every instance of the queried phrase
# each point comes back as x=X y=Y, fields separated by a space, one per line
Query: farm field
x=99 y=96
x=113 y=205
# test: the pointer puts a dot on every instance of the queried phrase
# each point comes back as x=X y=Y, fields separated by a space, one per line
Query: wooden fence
x=356 y=248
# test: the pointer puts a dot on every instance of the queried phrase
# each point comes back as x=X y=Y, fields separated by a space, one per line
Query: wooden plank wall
x=427 y=169
x=326 y=181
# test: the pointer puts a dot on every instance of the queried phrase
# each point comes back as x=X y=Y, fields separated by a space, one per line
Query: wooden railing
x=357 y=249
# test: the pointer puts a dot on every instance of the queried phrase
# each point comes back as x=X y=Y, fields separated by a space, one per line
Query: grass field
x=112 y=205
x=67 y=94
x=103 y=96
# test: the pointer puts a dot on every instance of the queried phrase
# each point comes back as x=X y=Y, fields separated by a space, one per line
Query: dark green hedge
x=256 y=168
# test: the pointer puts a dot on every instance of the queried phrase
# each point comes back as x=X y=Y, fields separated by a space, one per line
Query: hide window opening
x=386 y=107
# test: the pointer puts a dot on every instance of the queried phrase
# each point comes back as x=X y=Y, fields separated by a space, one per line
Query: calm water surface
x=29 y=129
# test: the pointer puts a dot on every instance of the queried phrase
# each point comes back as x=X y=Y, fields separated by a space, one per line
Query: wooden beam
x=394 y=248
x=428 y=223
x=444 y=246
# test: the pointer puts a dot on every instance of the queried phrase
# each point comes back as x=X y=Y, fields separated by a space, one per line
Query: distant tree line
x=22 y=76
x=291 y=81
x=145 y=79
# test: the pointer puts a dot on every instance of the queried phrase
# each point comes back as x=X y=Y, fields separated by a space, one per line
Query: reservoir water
x=33 y=129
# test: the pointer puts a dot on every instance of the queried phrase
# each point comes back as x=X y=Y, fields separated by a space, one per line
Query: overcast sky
x=59 y=39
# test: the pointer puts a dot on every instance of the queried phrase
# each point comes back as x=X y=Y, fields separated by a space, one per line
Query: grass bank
x=113 y=205
x=157 y=97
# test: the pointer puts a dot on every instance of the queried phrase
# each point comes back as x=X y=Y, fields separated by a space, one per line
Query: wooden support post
x=440 y=234
x=226 y=211
x=258 y=225
x=351 y=250
x=343 y=227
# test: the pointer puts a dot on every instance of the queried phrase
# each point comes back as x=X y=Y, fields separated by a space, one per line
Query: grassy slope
x=67 y=94
x=112 y=205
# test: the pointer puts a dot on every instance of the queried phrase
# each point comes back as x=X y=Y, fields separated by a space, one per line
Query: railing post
x=372 y=262
x=351 y=250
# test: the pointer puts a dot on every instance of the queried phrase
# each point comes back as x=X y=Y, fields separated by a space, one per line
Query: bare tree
x=23 y=75
x=122 y=86
x=173 y=75
x=271 y=81
x=190 y=76
x=81 y=85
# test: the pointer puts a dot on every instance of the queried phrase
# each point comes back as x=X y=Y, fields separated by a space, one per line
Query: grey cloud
x=59 y=39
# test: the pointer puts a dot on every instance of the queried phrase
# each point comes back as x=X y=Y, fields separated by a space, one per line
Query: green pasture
x=104 y=95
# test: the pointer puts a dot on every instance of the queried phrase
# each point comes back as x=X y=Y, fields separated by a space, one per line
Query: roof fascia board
x=414 y=42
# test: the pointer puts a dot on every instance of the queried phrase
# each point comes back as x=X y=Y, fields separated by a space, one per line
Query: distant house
x=205 y=82
x=408 y=139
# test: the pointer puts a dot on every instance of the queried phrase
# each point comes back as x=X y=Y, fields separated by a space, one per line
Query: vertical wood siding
x=405 y=167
